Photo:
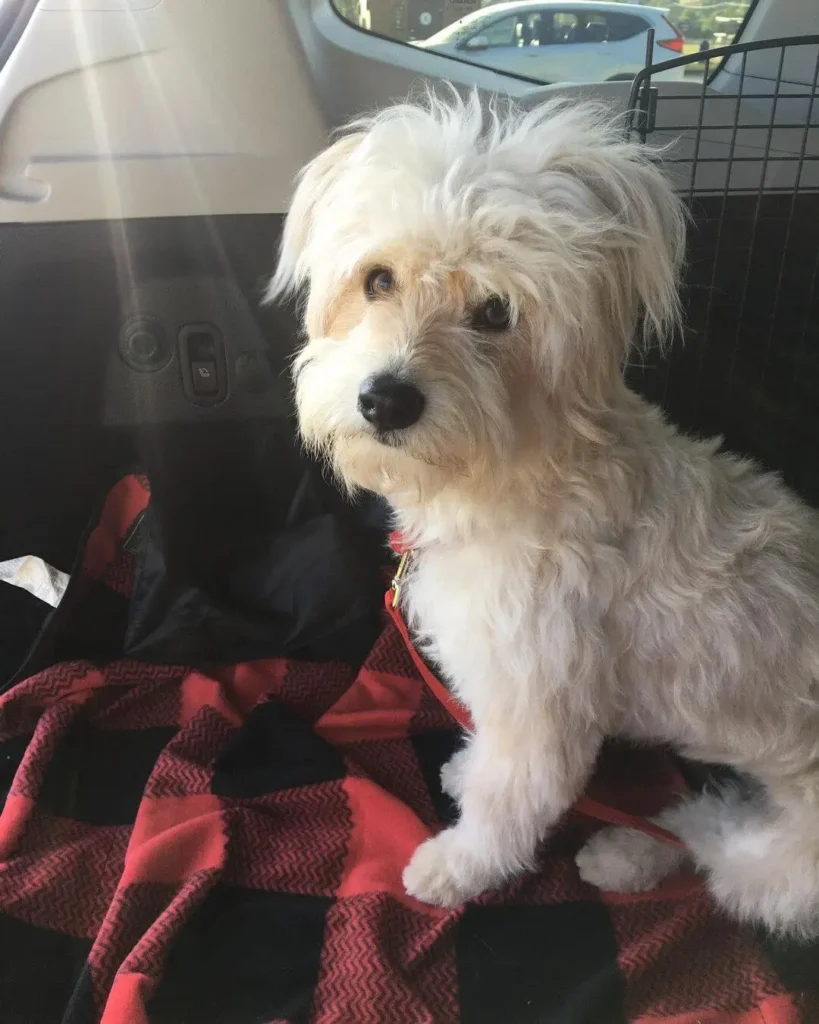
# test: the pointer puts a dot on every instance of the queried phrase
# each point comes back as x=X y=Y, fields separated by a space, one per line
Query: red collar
x=585 y=805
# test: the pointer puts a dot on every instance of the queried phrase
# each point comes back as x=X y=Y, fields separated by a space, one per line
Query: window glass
x=624 y=26
x=553 y=40
x=565 y=25
x=499 y=33
x=594 y=27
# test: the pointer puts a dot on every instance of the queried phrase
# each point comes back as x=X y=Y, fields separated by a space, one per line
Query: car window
x=564 y=27
x=539 y=39
x=498 y=33
x=624 y=26
x=594 y=28
x=455 y=32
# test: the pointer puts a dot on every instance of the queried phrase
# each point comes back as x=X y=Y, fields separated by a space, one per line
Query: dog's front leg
x=516 y=779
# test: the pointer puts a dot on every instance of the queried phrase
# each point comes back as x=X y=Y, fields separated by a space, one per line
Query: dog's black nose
x=389 y=403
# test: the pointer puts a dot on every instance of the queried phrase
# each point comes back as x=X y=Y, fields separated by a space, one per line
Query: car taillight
x=675 y=44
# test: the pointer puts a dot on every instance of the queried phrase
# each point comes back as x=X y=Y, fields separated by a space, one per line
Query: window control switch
x=205 y=377
x=203 y=363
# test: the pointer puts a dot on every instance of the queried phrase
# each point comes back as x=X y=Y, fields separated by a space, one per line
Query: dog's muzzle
x=389 y=403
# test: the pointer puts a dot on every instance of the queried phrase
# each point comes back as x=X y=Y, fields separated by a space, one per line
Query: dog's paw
x=623 y=860
x=443 y=872
x=452 y=775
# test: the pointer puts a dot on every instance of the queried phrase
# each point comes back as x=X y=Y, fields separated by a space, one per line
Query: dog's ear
x=646 y=233
x=654 y=245
x=317 y=178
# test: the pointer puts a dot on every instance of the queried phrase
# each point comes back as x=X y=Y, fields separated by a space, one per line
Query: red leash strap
x=585 y=805
x=453 y=706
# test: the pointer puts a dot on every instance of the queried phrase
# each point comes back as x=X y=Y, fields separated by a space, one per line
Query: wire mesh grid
x=741 y=140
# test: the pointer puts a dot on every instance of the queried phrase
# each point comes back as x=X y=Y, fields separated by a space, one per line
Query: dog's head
x=475 y=278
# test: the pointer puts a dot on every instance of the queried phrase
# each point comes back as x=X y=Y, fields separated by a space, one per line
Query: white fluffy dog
x=476 y=279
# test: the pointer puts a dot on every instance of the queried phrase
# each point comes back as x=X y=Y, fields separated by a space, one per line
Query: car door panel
x=146 y=156
x=73 y=411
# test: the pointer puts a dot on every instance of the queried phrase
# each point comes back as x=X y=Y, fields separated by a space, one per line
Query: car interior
x=148 y=150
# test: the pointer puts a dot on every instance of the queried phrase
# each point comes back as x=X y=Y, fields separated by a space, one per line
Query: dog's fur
x=581 y=568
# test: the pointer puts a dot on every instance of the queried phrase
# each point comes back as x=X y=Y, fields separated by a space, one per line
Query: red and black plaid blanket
x=182 y=847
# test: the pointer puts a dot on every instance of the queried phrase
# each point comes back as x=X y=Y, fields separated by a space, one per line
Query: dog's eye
x=379 y=282
x=492 y=315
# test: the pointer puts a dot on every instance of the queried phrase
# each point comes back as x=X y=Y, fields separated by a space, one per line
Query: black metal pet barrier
x=742 y=145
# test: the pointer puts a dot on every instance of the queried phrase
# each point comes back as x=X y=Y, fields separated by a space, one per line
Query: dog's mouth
x=389 y=438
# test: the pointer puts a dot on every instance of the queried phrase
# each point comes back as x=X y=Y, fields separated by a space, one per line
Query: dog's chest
x=467 y=607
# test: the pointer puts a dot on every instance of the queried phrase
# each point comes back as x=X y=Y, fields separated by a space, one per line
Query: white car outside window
x=556 y=41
